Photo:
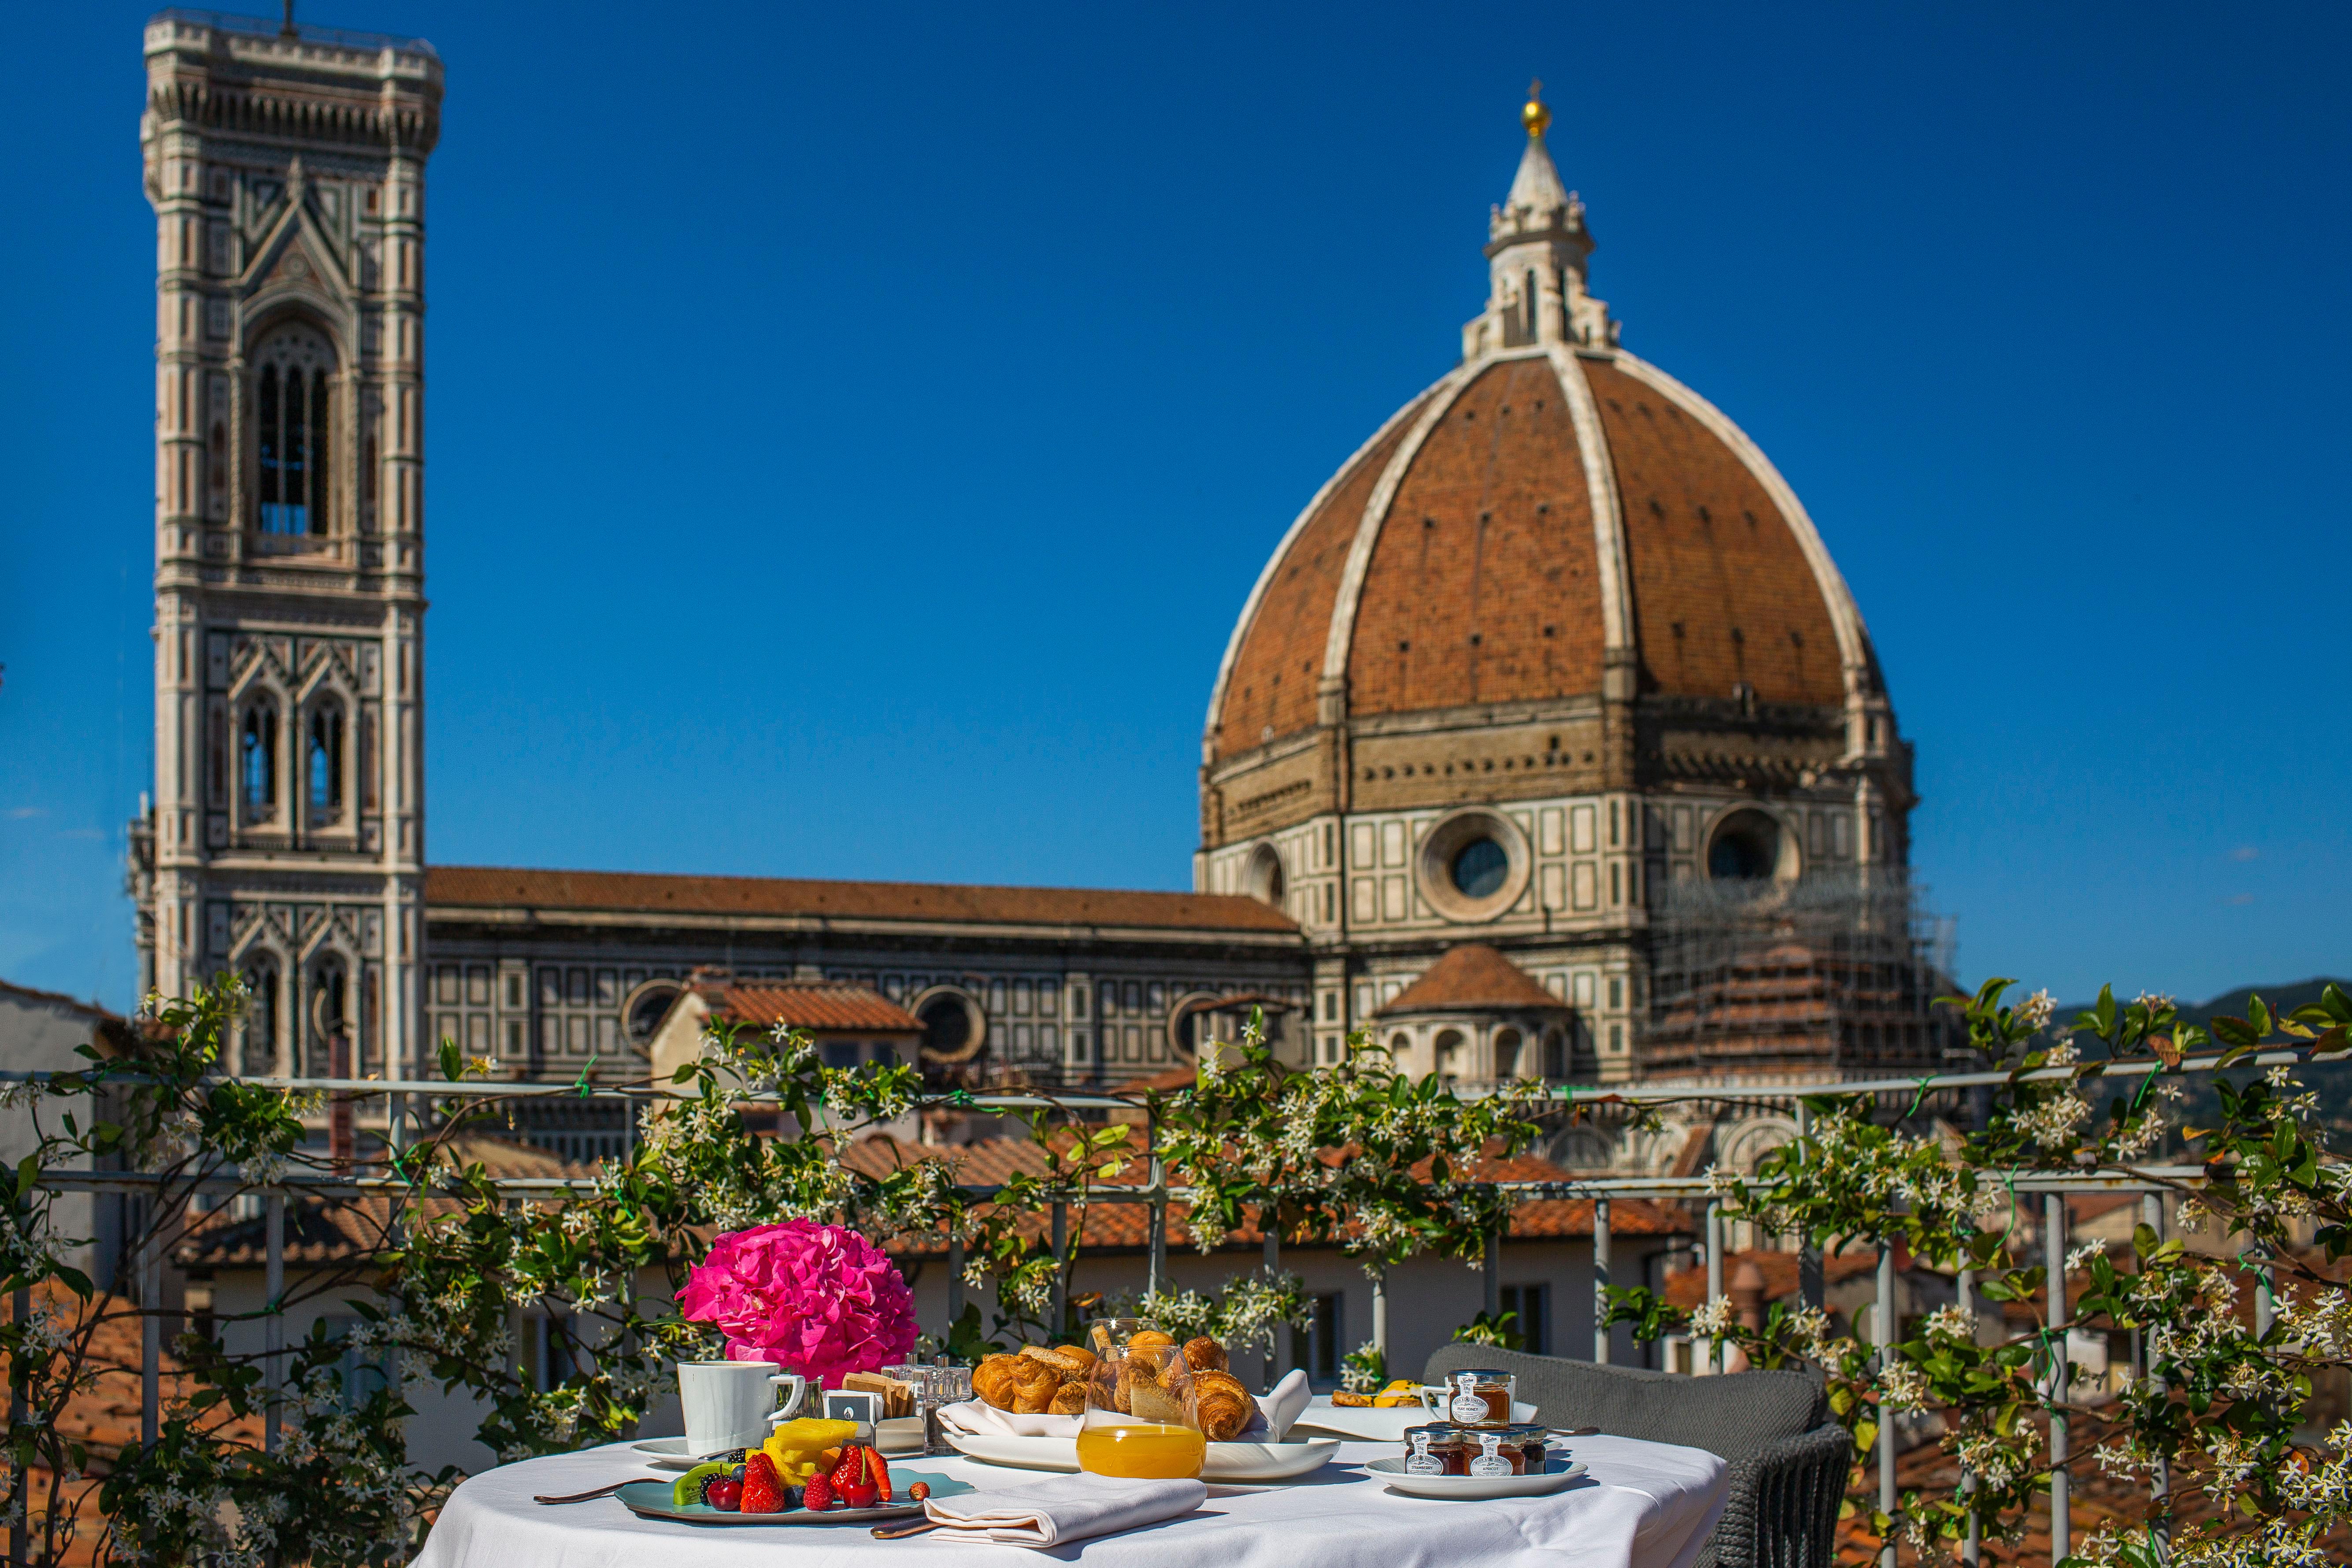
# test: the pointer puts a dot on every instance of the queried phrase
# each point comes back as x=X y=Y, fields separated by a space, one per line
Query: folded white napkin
x=1277 y=1409
x=980 y=1415
x=1067 y=1508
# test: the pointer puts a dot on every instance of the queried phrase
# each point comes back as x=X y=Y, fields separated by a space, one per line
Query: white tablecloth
x=1646 y=1505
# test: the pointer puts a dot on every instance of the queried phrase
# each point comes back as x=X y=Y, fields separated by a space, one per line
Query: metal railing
x=2150 y=1182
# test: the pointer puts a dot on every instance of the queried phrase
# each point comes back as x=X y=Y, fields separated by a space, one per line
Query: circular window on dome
x=1480 y=869
x=1749 y=846
x=1474 y=865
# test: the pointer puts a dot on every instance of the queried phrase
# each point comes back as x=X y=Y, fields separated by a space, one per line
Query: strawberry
x=918 y=1492
x=851 y=1467
x=763 y=1492
x=819 y=1493
x=878 y=1473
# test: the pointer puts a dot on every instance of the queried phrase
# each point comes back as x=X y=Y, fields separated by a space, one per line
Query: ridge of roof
x=670 y=892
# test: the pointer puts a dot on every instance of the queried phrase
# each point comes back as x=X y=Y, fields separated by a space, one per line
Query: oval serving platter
x=651 y=1499
x=1470 y=1488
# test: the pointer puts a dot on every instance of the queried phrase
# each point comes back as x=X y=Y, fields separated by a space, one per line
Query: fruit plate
x=1224 y=1461
x=1557 y=1473
x=651 y=1499
x=1380 y=1425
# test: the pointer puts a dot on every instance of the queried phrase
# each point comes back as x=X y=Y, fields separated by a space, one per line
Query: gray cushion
x=1736 y=1416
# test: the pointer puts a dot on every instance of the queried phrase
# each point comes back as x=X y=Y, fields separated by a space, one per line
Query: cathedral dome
x=1552 y=510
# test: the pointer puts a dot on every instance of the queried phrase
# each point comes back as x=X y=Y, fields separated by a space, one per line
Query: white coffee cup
x=727 y=1402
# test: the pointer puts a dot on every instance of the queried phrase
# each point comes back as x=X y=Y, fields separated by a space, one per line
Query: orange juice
x=1144 y=1450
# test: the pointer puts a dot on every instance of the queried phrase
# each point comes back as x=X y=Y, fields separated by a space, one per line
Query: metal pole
x=955 y=1277
x=20 y=1489
x=2265 y=1291
x=1810 y=1286
x=1881 y=1329
x=2151 y=1214
x=273 y=1286
x=1155 y=1266
x=1061 y=1264
x=1494 y=1272
x=1380 y=1316
x=1601 y=1281
x=2061 y=1519
x=1714 y=1278
x=1272 y=1227
x=1972 y=1544
x=150 y=1329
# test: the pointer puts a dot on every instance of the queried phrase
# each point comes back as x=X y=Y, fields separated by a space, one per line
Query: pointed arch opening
x=293 y=411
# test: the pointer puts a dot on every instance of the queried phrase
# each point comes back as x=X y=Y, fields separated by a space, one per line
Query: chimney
x=1747 y=1293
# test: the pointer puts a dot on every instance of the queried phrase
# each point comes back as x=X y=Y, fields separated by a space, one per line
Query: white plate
x=664 y=1453
x=1469 y=1489
x=1224 y=1461
x=1380 y=1425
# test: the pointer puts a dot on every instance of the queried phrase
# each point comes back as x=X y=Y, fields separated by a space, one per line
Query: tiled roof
x=1125 y=1225
x=810 y=1004
x=1471 y=975
x=635 y=892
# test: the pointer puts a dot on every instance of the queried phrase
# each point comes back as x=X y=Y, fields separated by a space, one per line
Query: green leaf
x=2258 y=1013
x=2235 y=1031
x=2338 y=1005
x=452 y=1061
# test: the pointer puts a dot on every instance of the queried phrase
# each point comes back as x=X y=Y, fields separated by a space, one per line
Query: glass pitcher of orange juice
x=1140 y=1420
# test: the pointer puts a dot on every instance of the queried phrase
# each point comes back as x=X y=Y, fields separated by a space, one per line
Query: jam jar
x=1444 y=1447
x=1495 y=1453
x=1533 y=1439
x=1480 y=1396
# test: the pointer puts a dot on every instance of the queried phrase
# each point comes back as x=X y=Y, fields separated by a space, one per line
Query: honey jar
x=1481 y=1397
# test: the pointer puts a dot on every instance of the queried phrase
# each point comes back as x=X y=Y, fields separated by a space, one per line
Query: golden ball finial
x=1535 y=116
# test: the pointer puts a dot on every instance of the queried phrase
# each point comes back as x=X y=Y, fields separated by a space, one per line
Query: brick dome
x=1536 y=510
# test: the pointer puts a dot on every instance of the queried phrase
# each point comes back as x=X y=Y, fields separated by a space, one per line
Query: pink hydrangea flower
x=814 y=1299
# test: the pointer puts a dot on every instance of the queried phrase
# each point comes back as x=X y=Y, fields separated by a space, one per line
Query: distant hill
x=2200 y=1107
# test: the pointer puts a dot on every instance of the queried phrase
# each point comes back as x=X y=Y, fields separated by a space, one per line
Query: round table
x=1644 y=1505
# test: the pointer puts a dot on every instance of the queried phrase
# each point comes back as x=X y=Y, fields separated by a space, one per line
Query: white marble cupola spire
x=1537 y=245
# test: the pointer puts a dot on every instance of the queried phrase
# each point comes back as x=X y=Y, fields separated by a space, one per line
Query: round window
x=1747 y=848
x=947 y=1027
x=1480 y=869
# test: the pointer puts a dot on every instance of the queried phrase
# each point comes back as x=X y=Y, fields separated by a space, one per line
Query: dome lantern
x=1537 y=245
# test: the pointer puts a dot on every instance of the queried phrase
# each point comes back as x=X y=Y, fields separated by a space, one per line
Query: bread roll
x=995 y=1378
x=1204 y=1354
x=1067 y=1361
x=1070 y=1399
x=1146 y=1338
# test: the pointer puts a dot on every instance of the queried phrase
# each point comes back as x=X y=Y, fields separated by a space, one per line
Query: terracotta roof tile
x=1722 y=591
x=1272 y=683
x=1471 y=975
x=1484 y=586
x=810 y=1004
x=493 y=886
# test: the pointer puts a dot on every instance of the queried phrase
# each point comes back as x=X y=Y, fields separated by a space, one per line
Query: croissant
x=1034 y=1386
x=1224 y=1406
x=993 y=1379
x=1070 y=1399
x=1204 y=1354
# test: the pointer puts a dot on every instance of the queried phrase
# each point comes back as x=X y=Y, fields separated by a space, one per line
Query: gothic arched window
x=323 y=766
x=258 y=762
x=293 y=430
x=261 y=1017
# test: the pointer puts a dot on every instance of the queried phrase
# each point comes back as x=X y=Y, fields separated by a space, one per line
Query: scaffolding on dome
x=1830 y=977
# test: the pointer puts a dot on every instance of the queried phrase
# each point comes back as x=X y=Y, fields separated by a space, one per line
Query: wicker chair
x=1788 y=1460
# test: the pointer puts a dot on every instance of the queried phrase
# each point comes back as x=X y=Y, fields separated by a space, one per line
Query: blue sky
x=853 y=429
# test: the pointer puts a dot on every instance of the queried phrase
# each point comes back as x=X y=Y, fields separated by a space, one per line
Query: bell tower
x=285 y=837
